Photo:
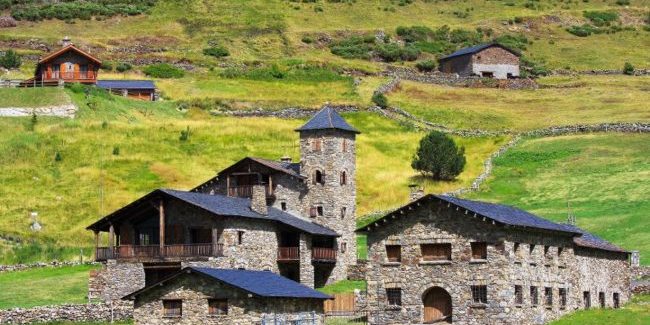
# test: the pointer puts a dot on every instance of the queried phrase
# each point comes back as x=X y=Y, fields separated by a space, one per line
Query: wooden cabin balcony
x=71 y=76
x=136 y=252
x=246 y=191
x=288 y=254
x=323 y=254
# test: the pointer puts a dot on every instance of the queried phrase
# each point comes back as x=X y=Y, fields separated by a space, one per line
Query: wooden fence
x=343 y=303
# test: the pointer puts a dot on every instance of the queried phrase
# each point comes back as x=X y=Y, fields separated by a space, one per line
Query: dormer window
x=319 y=178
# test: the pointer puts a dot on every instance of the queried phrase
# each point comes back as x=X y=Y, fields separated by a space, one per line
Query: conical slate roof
x=327 y=118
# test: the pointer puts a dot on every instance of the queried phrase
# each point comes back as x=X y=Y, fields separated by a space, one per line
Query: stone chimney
x=417 y=192
x=66 y=41
x=258 y=200
x=286 y=159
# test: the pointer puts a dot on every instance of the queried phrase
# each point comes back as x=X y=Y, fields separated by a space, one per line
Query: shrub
x=530 y=68
x=426 y=66
x=623 y=2
x=123 y=67
x=515 y=42
x=216 y=51
x=185 y=135
x=163 y=70
x=355 y=47
x=380 y=100
x=57 y=156
x=628 y=69
x=10 y=60
x=583 y=30
x=107 y=66
x=77 y=9
x=601 y=18
x=438 y=157
x=116 y=151
x=307 y=40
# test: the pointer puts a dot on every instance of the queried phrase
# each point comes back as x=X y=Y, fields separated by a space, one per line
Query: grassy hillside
x=120 y=150
x=603 y=177
x=560 y=101
x=32 y=97
x=637 y=312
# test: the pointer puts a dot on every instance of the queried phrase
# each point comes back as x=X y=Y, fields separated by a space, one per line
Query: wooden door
x=437 y=306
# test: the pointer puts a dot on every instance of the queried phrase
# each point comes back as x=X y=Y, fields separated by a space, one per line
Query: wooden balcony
x=288 y=254
x=144 y=252
x=245 y=191
x=322 y=254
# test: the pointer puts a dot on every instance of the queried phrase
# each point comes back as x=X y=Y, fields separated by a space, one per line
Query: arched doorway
x=437 y=306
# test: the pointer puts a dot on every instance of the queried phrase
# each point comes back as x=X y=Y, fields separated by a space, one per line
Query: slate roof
x=476 y=49
x=590 y=240
x=260 y=283
x=66 y=49
x=290 y=168
x=126 y=84
x=327 y=118
x=227 y=206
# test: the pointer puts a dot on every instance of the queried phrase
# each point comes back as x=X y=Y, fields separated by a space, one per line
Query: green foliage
x=601 y=18
x=439 y=157
x=354 y=47
x=583 y=30
x=531 y=68
x=33 y=10
x=31 y=126
x=623 y=2
x=344 y=286
x=628 y=69
x=216 y=51
x=123 y=67
x=380 y=100
x=163 y=70
x=57 y=156
x=442 y=40
x=307 y=39
x=185 y=135
x=116 y=151
x=107 y=66
x=426 y=66
x=10 y=60
x=393 y=52
x=514 y=42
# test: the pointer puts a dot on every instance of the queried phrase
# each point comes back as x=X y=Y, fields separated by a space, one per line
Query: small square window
x=394 y=296
x=519 y=295
x=546 y=250
x=217 y=306
x=479 y=294
x=316 y=145
x=559 y=251
x=313 y=212
x=283 y=205
x=319 y=211
x=479 y=251
x=534 y=296
x=436 y=252
x=394 y=253
x=172 y=308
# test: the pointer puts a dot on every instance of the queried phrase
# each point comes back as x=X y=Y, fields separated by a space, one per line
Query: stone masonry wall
x=538 y=261
x=102 y=312
x=194 y=291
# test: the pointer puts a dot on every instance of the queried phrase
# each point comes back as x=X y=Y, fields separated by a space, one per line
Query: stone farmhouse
x=296 y=219
x=449 y=260
x=217 y=296
x=487 y=60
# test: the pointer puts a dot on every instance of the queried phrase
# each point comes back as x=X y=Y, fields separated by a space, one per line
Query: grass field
x=44 y=286
x=636 y=312
x=584 y=99
x=66 y=193
x=603 y=177
x=32 y=97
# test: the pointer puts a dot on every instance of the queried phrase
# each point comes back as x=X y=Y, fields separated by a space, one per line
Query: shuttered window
x=394 y=296
x=394 y=253
x=479 y=250
x=479 y=294
x=436 y=252
x=172 y=308
x=218 y=306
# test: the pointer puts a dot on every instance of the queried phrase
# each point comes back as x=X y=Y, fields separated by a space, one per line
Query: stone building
x=226 y=296
x=451 y=260
x=487 y=60
x=293 y=218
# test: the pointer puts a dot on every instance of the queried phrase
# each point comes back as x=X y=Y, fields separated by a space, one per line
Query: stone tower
x=328 y=159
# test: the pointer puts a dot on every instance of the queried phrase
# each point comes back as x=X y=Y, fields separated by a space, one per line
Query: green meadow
x=636 y=312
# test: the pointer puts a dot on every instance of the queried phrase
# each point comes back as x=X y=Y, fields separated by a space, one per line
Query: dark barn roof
x=126 y=84
x=327 y=119
x=476 y=49
x=65 y=49
x=223 y=206
x=260 y=283
x=590 y=240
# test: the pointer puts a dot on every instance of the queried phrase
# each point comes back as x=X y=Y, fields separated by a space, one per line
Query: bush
x=107 y=66
x=601 y=18
x=628 y=69
x=426 y=66
x=623 y=2
x=307 y=40
x=355 y=47
x=123 y=67
x=380 y=100
x=582 y=31
x=514 y=42
x=185 y=135
x=216 y=51
x=393 y=52
x=438 y=157
x=77 y=9
x=163 y=70
x=10 y=60
x=530 y=68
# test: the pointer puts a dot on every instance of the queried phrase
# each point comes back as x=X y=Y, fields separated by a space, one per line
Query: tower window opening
x=319 y=178
x=344 y=178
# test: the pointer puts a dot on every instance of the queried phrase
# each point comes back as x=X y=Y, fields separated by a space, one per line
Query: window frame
x=168 y=310
x=616 y=299
x=534 y=296
x=317 y=145
x=392 y=259
x=548 y=297
x=240 y=237
x=479 y=294
x=344 y=211
x=484 y=250
x=394 y=297
x=435 y=247
x=519 y=295
x=343 y=178
x=562 y=294
x=586 y=299
x=602 y=300
x=217 y=310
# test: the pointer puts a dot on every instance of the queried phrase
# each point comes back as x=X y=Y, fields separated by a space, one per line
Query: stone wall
x=536 y=262
x=358 y=272
x=455 y=80
x=22 y=267
x=102 y=312
x=194 y=291
x=66 y=110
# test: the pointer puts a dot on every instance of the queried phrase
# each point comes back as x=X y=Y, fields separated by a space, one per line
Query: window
x=436 y=252
x=516 y=248
x=479 y=294
x=616 y=299
x=283 y=205
x=394 y=296
x=217 y=306
x=531 y=249
x=559 y=251
x=586 y=297
x=548 y=294
x=562 y=294
x=344 y=145
x=313 y=212
x=519 y=295
x=343 y=212
x=343 y=178
x=319 y=178
x=319 y=211
x=316 y=145
x=240 y=237
x=546 y=250
x=534 y=296
x=344 y=247
x=394 y=253
x=601 y=299
x=172 y=308
x=479 y=251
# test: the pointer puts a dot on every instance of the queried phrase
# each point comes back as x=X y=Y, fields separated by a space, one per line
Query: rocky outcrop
x=104 y=312
x=7 y=21
x=66 y=110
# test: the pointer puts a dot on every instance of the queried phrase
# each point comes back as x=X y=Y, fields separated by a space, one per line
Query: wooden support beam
x=162 y=226
x=215 y=241
x=111 y=239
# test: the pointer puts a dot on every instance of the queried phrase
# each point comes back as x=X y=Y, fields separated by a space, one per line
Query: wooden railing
x=245 y=191
x=70 y=75
x=288 y=253
x=323 y=254
x=154 y=251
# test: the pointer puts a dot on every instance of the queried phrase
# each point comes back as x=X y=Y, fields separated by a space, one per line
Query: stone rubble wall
x=455 y=80
x=118 y=310
x=286 y=113
x=23 y=267
x=67 y=110
x=358 y=272
x=641 y=272
x=637 y=72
